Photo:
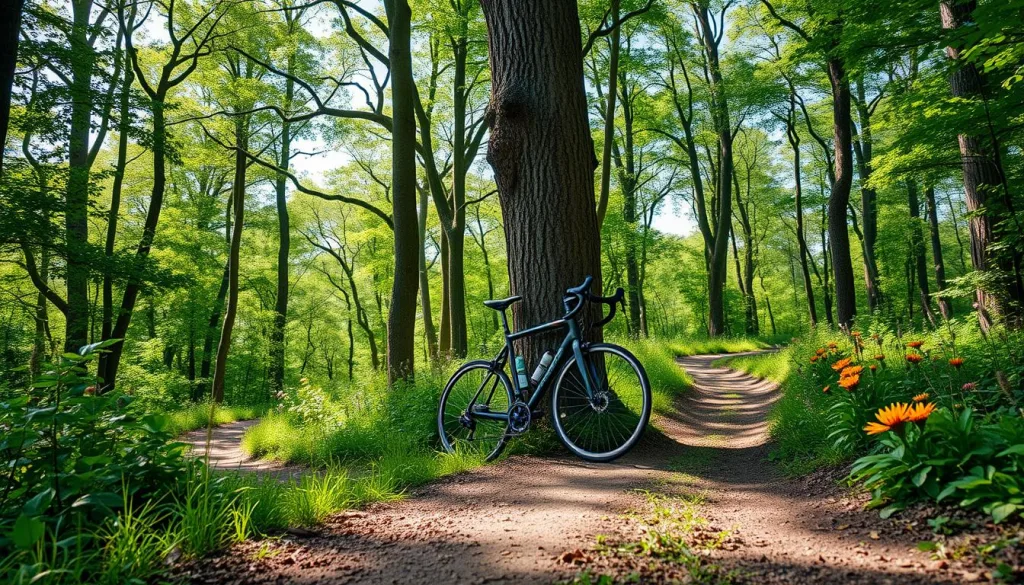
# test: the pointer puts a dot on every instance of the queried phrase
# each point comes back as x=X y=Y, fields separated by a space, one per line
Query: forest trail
x=526 y=519
x=225 y=451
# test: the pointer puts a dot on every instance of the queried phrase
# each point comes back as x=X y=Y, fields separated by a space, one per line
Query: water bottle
x=524 y=383
x=542 y=368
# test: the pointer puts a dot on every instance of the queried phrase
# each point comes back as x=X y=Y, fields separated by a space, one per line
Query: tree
x=402 y=313
x=10 y=17
x=545 y=177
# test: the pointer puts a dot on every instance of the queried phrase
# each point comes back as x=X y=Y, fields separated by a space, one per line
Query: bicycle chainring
x=519 y=417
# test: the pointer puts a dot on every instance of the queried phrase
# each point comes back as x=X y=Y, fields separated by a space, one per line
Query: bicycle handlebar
x=582 y=293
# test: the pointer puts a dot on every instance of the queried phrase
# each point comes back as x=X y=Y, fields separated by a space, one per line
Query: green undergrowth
x=773 y=366
x=703 y=346
x=202 y=414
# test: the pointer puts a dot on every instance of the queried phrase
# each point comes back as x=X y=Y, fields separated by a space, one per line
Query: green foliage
x=199 y=415
x=967 y=451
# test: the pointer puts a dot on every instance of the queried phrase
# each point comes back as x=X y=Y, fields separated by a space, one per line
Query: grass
x=767 y=366
x=701 y=346
x=200 y=415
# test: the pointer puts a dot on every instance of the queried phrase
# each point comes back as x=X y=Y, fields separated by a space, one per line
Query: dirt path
x=515 y=521
x=225 y=451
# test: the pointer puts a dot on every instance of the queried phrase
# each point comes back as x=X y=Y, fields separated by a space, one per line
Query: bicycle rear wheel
x=606 y=426
x=475 y=391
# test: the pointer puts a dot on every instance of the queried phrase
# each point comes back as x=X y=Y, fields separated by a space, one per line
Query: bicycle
x=600 y=403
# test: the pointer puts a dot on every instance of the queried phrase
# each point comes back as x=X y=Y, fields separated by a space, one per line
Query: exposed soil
x=536 y=520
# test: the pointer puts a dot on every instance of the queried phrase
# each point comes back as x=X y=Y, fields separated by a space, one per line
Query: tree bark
x=945 y=306
x=719 y=252
x=609 y=116
x=231 y=307
x=542 y=155
x=983 y=181
x=863 y=150
x=276 y=373
x=839 y=200
x=918 y=257
x=10 y=28
x=428 y=318
x=801 y=239
x=402 y=311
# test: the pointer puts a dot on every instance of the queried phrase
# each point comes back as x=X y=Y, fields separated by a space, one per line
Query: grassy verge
x=203 y=414
x=767 y=366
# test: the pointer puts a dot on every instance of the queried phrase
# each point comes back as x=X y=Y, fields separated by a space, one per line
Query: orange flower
x=915 y=344
x=890 y=418
x=921 y=397
x=880 y=357
x=851 y=371
x=873 y=367
x=855 y=333
x=826 y=389
x=919 y=412
x=833 y=345
x=914 y=358
x=814 y=358
x=820 y=351
x=838 y=366
x=850 y=382
x=956 y=362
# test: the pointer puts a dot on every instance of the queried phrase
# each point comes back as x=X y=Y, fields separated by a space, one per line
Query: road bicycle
x=600 y=394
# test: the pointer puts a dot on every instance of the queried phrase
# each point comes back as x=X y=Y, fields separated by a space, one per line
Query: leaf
x=102 y=500
x=890 y=510
x=27 y=531
x=155 y=423
x=1014 y=450
x=39 y=503
x=999 y=513
x=926 y=546
x=946 y=492
x=920 y=477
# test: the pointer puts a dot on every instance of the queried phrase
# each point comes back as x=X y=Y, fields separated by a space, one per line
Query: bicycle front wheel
x=466 y=418
x=606 y=424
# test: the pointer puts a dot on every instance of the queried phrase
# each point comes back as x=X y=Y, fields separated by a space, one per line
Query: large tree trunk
x=231 y=307
x=402 y=312
x=839 y=237
x=983 y=181
x=276 y=373
x=542 y=155
x=945 y=306
x=10 y=28
x=457 y=235
x=917 y=253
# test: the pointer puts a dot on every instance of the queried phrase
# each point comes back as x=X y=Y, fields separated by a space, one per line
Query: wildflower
x=820 y=351
x=90 y=391
x=855 y=333
x=914 y=358
x=814 y=358
x=873 y=367
x=921 y=397
x=850 y=383
x=956 y=362
x=918 y=413
x=915 y=344
x=851 y=371
x=832 y=345
x=890 y=418
x=880 y=357
x=838 y=366
x=826 y=389
x=969 y=386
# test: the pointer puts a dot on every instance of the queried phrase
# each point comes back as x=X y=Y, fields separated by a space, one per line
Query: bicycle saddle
x=502 y=304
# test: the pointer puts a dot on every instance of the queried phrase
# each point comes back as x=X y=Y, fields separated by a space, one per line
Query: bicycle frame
x=571 y=343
